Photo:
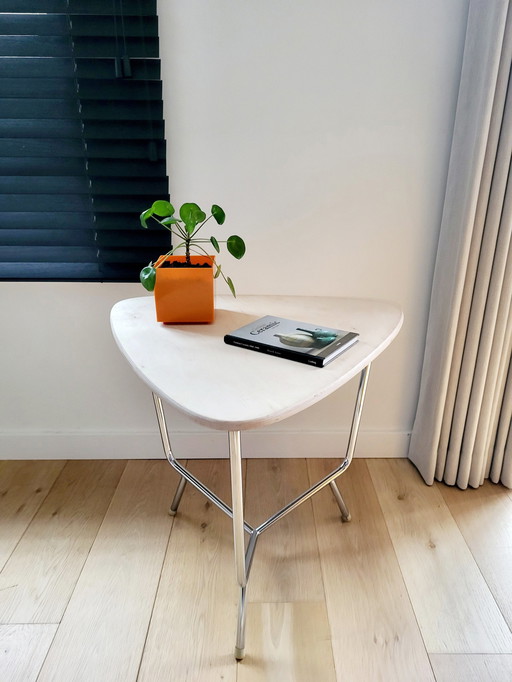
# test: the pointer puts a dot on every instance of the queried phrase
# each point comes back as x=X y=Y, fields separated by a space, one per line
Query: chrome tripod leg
x=354 y=431
x=240 y=629
x=235 y=457
x=345 y=514
x=177 y=496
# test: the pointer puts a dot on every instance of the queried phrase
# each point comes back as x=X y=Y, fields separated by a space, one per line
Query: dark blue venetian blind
x=82 y=147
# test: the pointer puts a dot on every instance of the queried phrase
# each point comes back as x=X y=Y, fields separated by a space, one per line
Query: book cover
x=300 y=341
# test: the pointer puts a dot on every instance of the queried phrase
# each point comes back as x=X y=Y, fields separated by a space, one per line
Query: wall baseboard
x=195 y=445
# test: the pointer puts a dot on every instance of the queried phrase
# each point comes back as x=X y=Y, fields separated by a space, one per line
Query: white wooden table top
x=229 y=388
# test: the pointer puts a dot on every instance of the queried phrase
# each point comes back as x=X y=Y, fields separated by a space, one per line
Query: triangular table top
x=229 y=388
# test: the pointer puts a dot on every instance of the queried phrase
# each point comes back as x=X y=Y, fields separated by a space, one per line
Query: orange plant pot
x=184 y=295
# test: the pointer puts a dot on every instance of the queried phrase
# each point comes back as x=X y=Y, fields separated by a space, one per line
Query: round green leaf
x=236 y=246
x=191 y=215
x=169 y=222
x=215 y=244
x=218 y=214
x=162 y=208
x=145 y=216
x=148 y=277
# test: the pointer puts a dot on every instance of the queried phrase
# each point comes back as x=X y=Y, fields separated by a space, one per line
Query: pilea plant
x=185 y=229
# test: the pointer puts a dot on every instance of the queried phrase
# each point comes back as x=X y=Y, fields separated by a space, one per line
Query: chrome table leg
x=177 y=496
x=235 y=458
x=240 y=627
x=354 y=431
x=345 y=514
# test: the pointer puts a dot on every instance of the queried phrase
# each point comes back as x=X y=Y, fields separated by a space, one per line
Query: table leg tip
x=346 y=519
x=172 y=512
x=239 y=654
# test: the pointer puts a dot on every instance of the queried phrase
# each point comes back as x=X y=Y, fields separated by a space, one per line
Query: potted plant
x=183 y=284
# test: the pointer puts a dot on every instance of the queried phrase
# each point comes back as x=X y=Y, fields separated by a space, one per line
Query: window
x=82 y=146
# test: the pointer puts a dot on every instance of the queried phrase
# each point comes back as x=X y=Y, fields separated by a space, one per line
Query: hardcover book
x=294 y=340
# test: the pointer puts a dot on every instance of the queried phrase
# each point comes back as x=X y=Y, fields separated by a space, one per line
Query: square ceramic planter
x=184 y=295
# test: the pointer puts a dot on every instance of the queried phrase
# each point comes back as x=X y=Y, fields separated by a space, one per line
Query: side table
x=233 y=389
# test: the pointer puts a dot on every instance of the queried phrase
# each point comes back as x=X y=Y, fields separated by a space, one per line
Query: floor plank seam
x=400 y=567
x=154 y=600
x=47 y=653
x=36 y=511
x=322 y=574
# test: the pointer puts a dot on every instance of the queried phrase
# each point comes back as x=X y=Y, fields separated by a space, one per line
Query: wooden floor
x=99 y=584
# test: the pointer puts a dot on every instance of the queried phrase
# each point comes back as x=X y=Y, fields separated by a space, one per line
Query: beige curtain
x=462 y=431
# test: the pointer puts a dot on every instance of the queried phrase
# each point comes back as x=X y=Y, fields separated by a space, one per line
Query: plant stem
x=200 y=226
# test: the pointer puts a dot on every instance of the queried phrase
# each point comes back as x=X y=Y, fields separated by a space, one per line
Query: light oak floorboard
x=373 y=627
x=484 y=517
x=22 y=651
x=472 y=667
x=60 y=536
x=102 y=634
x=455 y=609
x=286 y=566
x=23 y=487
x=192 y=631
x=290 y=642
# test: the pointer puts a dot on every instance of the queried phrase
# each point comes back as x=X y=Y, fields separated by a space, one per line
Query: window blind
x=82 y=146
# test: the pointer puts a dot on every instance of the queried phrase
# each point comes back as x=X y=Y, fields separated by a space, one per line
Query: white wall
x=323 y=128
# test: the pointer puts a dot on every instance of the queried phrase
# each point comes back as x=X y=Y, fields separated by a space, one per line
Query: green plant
x=186 y=228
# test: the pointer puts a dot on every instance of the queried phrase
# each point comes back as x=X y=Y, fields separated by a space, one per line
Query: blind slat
x=135 y=7
x=41 y=24
x=34 y=46
x=106 y=47
x=38 y=87
x=15 y=107
x=31 y=219
x=52 y=184
x=126 y=89
x=34 y=237
x=131 y=130
x=77 y=25
x=50 y=254
x=78 y=254
x=64 y=67
x=127 y=168
x=63 y=238
x=82 y=184
x=39 y=128
x=45 y=202
x=110 y=26
x=84 y=47
x=96 y=149
x=77 y=202
x=30 y=128
x=58 y=88
x=62 y=220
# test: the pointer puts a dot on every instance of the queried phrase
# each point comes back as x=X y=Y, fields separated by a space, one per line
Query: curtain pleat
x=462 y=429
